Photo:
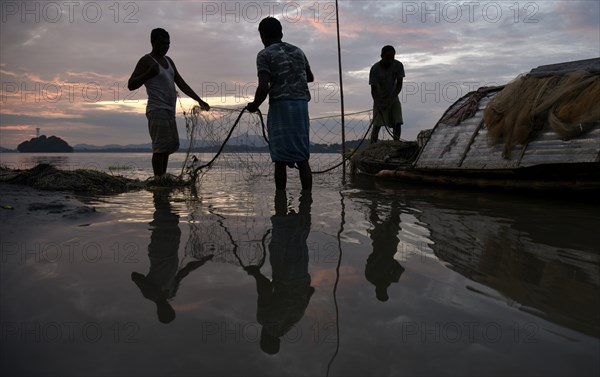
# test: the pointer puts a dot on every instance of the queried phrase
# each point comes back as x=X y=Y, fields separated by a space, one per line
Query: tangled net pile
x=568 y=103
x=243 y=137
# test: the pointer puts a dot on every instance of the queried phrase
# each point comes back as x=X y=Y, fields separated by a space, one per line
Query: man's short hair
x=158 y=33
x=388 y=49
x=270 y=27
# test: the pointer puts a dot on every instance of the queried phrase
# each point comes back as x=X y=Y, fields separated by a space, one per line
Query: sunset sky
x=64 y=65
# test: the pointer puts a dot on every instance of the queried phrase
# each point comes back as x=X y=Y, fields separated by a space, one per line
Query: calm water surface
x=360 y=278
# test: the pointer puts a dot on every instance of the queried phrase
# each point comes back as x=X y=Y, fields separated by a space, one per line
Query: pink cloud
x=16 y=127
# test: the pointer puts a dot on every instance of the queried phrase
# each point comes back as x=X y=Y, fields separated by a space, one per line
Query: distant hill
x=244 y=140
x=243 y=143
x=252 y=141
x=248 y=140
x=43 y=144
x=6 y=150
x=112 y=147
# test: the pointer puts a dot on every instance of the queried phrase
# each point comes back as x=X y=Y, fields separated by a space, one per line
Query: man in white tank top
x=158 y=73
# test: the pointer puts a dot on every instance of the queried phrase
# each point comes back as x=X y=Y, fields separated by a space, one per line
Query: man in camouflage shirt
x=283 y=75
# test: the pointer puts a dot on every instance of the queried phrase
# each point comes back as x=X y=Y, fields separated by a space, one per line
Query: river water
x=361 y=277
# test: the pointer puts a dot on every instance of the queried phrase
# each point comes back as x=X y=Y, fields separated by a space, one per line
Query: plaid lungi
x=288 y=126
x=163 y=131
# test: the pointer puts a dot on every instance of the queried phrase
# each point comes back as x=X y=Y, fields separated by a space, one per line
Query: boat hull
x=561 y=177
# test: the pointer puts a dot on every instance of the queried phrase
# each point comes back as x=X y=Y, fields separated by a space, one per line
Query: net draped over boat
x=568 y=103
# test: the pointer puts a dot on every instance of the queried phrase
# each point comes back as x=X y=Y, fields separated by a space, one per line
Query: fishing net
x=212 y=132
x=468 y=107
x=232 y=138
x=568 y=103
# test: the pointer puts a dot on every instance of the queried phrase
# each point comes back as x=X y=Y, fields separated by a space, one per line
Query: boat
x=482 y=140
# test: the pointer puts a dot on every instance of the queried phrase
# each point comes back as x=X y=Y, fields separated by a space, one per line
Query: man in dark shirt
x=386 y=78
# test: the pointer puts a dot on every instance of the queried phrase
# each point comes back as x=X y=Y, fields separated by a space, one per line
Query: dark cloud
x=447 y=46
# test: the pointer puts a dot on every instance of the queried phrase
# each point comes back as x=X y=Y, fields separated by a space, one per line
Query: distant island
x=43 y=144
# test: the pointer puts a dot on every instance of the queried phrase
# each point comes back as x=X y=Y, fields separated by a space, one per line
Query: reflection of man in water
x=382 y=269
x=163 y=279
x=282 y=301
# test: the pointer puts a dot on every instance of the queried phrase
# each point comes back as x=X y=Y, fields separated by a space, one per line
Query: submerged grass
x=118 y=167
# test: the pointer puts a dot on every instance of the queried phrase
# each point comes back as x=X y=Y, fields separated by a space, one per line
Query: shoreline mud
x=93 y=182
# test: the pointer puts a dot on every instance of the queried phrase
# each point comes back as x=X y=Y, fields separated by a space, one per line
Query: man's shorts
x=388 y=116
x=163 y=131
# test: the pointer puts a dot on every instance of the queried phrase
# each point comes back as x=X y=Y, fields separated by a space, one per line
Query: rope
x=264 y=132
x=222 y=145
x=335 y=285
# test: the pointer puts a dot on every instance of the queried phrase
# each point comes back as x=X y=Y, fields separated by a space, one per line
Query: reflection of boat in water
x=541 y=256
x=535 y=132
x=557 y=281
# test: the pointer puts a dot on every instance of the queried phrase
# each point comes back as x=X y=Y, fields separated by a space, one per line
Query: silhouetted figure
x=283 y=75
x=382 y=269
x=282 y=302
x=158 y=73
x=162 y=281
x=386 y=77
